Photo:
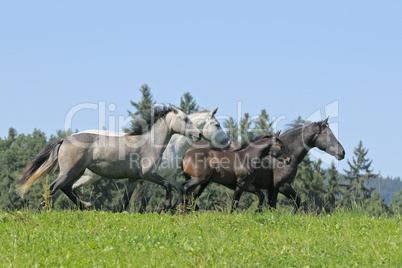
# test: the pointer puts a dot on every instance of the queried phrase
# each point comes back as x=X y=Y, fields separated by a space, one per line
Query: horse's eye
x=218 y=125
x=186 y=120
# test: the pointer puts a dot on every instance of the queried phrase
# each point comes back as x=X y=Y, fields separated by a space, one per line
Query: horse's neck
x=158 y=137
x=248 y=153
x=296 y=145
x=179 y=144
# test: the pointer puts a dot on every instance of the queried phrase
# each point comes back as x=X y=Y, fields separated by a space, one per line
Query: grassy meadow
x=200 y=239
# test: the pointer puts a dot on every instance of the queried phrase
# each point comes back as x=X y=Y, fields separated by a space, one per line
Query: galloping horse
x=299 y=141
x=234 y=169
x=172 y=156
x=134 y=155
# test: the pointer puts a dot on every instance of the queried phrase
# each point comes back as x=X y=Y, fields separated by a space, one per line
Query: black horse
x=278 y=178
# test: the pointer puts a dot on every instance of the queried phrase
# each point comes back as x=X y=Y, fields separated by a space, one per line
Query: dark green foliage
x=396 y=204
x=320 y=189
x=142 y=107
x=387 y=187
x=248 y=127
x=309 y=184
x=15 y=152
x=188 y=104
x=245 y=128
x=357 y=177
x=263 y=126
x=231 y=128
x=333 y=188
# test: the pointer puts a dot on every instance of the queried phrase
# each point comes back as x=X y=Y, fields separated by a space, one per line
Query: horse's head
x=319 y=135
x=210 y=128
x=276 y=149
x=279 y=150
x=181 y=124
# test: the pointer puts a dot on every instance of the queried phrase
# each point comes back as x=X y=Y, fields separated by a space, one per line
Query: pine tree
x=263 y=126
x=357 y=176
x=16 y=151
x=396 y=204
x=245 y=125
x=231 y=128
x=296 y=122
x=333 y=187
x=188 y=104
x=309 y=185
x=142 y=107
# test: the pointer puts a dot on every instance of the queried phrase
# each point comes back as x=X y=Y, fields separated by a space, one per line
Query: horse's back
x=204 y=144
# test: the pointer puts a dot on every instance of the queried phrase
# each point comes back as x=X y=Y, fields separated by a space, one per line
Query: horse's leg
x=131 y=183
x=192 y=184
x=68 y=189
x=272 y=197
x=145 y=196
x=63 y=182
x=56 y=195
x=240 y=186
x=252 y=189
x=179 y=187
x=80 y=196
x=155 y=178
x=198 y=191
x=87 y=178
x=289 y=192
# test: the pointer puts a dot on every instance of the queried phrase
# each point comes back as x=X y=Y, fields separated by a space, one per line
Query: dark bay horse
x=234 y=169
x=299 y=141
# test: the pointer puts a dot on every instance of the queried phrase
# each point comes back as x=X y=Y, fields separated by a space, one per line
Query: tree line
x=321 y=190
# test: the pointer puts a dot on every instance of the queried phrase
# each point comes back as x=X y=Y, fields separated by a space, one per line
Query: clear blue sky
x=289 y=57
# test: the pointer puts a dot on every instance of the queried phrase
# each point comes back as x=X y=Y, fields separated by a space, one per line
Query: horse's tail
x=42 y=164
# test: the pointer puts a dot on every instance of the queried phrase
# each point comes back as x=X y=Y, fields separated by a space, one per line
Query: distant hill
x=387 y=187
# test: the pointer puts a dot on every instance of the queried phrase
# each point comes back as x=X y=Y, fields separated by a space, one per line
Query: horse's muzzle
x=340 y=153
x=340 y=156
x=227 y=145
x=196 y=137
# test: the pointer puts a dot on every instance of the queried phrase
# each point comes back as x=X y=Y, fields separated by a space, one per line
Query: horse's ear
x=174 y=108
x=325 y=121
x=276 y=134
x=214 y=111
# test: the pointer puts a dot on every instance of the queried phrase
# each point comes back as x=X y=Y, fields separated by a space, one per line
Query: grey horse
x=172 y=157
x=134 y=155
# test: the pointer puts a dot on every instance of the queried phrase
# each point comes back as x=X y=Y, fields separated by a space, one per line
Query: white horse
x=172 y=156
x=135 y=155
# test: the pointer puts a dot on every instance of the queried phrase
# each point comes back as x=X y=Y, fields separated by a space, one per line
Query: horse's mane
x=296 y=125
x=142 y=124
x=201 y=110
x=244 y=144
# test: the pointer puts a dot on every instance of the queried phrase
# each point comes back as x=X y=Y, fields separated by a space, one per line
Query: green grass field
x=204 y=239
